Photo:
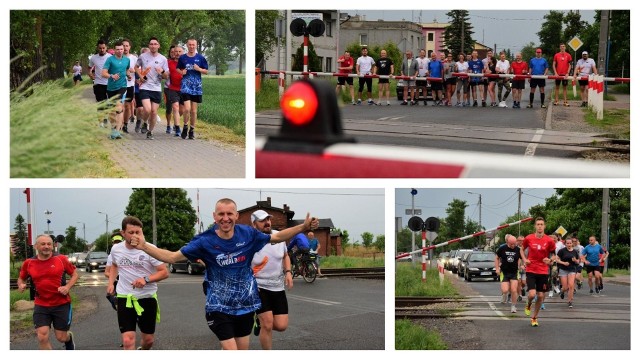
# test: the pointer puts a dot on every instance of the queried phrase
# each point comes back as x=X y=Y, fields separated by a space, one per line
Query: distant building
x=406 y=35
x=282 y=218
x=434 y=40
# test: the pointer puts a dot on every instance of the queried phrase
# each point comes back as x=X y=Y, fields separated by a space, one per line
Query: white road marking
x=492 y=306
x=531 y=148
x=312 y=300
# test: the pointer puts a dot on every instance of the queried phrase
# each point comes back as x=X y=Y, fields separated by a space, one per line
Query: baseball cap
x=538 y=50
x=116 y=238
x=585 y=53
x=259 y=215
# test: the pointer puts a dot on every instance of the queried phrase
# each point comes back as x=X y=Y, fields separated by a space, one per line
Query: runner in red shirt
x=345 y=66
x=562 y=67
x=52 y=302
x=540 y=246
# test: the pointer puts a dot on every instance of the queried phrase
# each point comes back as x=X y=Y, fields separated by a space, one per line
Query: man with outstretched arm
x=227 y=250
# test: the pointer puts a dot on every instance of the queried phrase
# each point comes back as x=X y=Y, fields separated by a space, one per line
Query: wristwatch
x=146 y=279
x=287 y=271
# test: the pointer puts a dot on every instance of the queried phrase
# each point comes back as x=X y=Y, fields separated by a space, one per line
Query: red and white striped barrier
x=347 y=160
x=27 y=192
x=596 y=95
x=425 y=248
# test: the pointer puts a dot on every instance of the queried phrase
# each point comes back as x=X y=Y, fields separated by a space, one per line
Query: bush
x=620 y=256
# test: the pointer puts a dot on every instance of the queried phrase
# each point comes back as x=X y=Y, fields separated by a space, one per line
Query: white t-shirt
x=366 y=64
x=585 y=66
x=423 y=66
x=133 y=264
x=154 y=79
x=271 y=276
x=559 y=245
x=462 y=67
x=502 y=67
x=132 y=64
x=98 y=61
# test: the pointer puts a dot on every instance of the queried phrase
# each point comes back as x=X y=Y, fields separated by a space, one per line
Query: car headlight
x=94 y=263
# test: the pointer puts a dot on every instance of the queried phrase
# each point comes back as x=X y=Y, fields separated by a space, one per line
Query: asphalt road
x=329 y=314
x=492 y=130
x=596 y=322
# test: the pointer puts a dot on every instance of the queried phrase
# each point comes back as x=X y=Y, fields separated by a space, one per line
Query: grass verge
x=616 y=122
x=339 y=262
x=413 y=337
x=409 y=282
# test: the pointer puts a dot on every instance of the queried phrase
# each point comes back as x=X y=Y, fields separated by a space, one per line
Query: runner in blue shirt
x=591 y=255
x=475 y=67
x=538 y=66
x=193 y=65
x=227 y=250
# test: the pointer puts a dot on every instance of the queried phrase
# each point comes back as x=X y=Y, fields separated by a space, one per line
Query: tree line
x=45 y=43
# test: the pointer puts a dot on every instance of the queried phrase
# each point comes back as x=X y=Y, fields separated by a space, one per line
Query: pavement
x=168 y=156
x=618 y=280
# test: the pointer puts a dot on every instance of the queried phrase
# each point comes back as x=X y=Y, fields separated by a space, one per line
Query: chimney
x=269 y=200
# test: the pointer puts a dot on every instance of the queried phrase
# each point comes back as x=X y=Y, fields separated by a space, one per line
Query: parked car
x=190 y=267
x=480 y=264
x=442 y=258
x=96 y=260
x=81 y=260
x=456 y=259
x=462 y=263
x=421 y=97
x=73 y=258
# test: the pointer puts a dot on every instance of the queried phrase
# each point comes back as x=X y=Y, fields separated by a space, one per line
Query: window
x=327 y=31
x=364 y=39
x=320 y=61
x=430 y=36
x=328 y=64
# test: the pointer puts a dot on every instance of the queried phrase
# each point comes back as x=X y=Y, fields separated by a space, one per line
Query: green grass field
x=224 y=102
x=413 y=337
x=409 y=282
x=339 y=262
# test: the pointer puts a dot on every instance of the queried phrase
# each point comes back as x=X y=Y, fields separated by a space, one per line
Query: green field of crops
x=223 y=102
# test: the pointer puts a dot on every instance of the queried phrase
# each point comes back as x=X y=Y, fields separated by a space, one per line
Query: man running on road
x=507 y=261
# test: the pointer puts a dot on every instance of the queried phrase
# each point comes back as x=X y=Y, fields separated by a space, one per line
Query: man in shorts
x=409 y=67
x=52 y=304
x=485 y=81
x=423 y=71
x=131 y=82
x=345 y=66
x=518 y=67
x=585 y=67
x=117 y=70
x=175 y=105
x=152 y=67
x=591 y=256
x=365 y=66
x=384 y=66
x=193 y=65
x=138 y=275
x=436 y=70
x=77 y=73
x=507 y=264
x=538 y=66
x=475 y=67
x=96 y=62
x=540 y=247
x=272 y=270
x=227 y=250
x=562 y=67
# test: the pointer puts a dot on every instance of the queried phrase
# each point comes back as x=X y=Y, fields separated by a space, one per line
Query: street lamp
x=84 y=231
x=48 y=213
x=106 y=228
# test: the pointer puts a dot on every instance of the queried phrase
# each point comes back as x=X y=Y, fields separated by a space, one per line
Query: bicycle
x=305 y=266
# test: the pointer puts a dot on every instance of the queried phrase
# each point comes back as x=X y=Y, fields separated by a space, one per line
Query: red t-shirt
x=562 y=60
x=344 y=63
x=519 y=68
x=538 y=250
x=175 y=76
x=47 y=277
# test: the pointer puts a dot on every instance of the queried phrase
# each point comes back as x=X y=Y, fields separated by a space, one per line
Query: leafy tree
x=455 y=220
x=529 y=52
x=175 y=217
x=344 y=239
x=550 y=33
x=20 y=247
x=265 y=36
x=393 y=52
x=71 y=242
x=379 y=243
x=314 y=63
x=367 y=239
x=403 y=240
x=452 y=35
x=102 y=242
x=574 y=25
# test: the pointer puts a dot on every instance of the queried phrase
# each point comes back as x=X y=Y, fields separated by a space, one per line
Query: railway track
x=360 y=273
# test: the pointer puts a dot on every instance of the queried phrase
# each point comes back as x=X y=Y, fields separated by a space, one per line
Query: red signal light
x=299 y=104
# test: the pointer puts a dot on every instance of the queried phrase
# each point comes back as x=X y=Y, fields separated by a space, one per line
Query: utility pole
x=480 y=206
x=603 y=42
x=84 y=231
x=153 y=216
x=106 y=230
x=462 y=37
x=604 y=230
x=413 y=212
x=519 y=207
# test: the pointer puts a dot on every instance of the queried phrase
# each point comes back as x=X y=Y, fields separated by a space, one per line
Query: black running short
x=60 y=316
x=229 y=326
x=540 y=282
x=591 y=269
x=128 y=318
x=274 y=301
x=538 y=83
x=192 y=98
x=564 y=82
x=153 y=96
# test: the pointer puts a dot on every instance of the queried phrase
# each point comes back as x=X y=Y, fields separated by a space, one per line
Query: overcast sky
x=509 y=29
x=355 y=210
x=497 y=204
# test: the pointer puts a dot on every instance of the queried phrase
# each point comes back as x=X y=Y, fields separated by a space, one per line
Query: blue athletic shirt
x=117 y=66
x=593 y=254
x=476 y=67
x=300 y=241
x=435 y=69
x=232 y=288
x=192 y=80
x=538 y=66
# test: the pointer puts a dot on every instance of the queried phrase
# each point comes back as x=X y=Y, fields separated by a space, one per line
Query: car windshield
x=481 y=257
x=99 y=254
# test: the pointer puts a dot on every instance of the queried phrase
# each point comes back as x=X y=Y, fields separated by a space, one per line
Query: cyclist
x=301 y=245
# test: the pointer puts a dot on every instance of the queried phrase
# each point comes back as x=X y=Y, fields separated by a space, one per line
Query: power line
x=299 y=193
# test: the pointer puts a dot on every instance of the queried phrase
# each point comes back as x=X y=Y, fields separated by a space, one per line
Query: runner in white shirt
x=585 y=67
x=502 y=67
x=96 y=63
x=152 y=67
x=423 y=68
x=364 y=66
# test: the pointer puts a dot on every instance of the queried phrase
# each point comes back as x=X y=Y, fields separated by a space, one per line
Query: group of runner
x=538 y=260
x=132 y=79
x=465 y=77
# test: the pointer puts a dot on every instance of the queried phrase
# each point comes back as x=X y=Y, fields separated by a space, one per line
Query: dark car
x=462 y=264
x=190 y=267
x=96 y=260
x=456 y=260
x=400 y=92
x=480 y=264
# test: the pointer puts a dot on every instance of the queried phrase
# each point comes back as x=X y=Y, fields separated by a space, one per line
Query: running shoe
x=570 y=305
x=542 y=306
x=556 y=289
x=191 y=136
x=527 y=309
x=185 y=130
x=378 y=104
x=513 y=309
x=475 y=103
x=529 y=106
x=353 y=102
x=114 y=134
x=591 y=291
x=124 y=128
x=502 y=104
x=515 y=106
x=69 y=344
x=504 y=299
x=168 y=130
x=132 y=119
x=404 y=102
x=458 y=104
x=176 y=130
x=138 y=122
x=359 y=102
x=484 y=103
x=534 y=322
x=579 y=285
x=543 y=106
x=149 y=136
x=601 y=287
x=519 y=298
x=597 y=290
x=370 y=102
x=144 y=128
x=425 y=103
x=562 y=295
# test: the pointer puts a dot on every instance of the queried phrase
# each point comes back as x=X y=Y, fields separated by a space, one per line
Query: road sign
x=560 y=230
x=307 y=17
x=575 y=43
x=415 y=212
x=48 y=232
x=431 y=235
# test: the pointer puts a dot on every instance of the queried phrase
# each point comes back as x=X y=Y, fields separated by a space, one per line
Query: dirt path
x=168 y=156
